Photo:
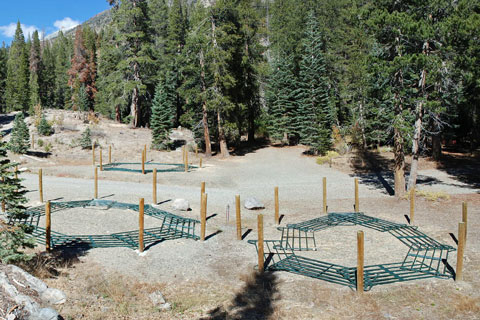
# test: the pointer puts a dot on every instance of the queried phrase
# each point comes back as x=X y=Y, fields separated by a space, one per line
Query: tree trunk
x=362 y=127
x=206 y=132
x=399 y=169
x=134 y=108
x=412 y=178
x=436 y=147
x=221 y=137
x=118 y=118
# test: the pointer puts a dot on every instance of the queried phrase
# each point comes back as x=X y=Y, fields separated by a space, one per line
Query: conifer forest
x=403 y=74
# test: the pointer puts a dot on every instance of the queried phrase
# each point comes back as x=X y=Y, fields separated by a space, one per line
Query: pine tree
x=163 y=112
x=47 y=85
x=315 y=113
x=62 y=53
x=16 y=94
x=86 y=139
x=281 y=101
x=44 y=128
x=12 y=193
x=3 y=76
x=36 y=71
x=134 y=41
x=20 y=136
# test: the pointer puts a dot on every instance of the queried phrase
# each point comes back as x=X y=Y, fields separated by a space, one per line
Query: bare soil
x=216 y=279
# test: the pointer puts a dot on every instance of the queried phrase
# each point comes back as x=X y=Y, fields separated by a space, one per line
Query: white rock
x=54 y=296
x=253 y=204
x=165 y=306
x=45 y=314
x=33 y=282
x=181 y=204
x=157 y=298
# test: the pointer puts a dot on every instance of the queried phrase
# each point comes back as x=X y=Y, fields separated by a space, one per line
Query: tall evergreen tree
x=315 y=113
x=47 y=85
x=12 y=193
x=134 y=40
x=20 y=136
x=36 y=71
x=62 y=53
x=163 y=112
x=16 y=94
x=3 y=76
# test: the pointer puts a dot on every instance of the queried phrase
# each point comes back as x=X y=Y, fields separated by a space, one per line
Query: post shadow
x=246 y=233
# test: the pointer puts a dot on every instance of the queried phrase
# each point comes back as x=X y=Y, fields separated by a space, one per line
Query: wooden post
x=143 y=161
x=33 y=141
x=464 y=218
x=412 y=205
x=101 y=160
x=109 y=154
x=93 y=153
x=40 y=184
x=141 y=224
x=360 y=261
x=460 y=251
x=183 y=154
x=186 y=160
x=200 y=163
x=277 y=208
x=202 y=188
x=196 y=151
x=96 y=183
x=145 y=152
x=324 y=195
x=260 y=242
x=155 y=186
x=239 y=217
x=203 y=217
x=48 y=226
x=356 y=196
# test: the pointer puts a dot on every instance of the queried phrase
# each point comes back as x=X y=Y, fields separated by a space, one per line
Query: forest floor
x=216 y=279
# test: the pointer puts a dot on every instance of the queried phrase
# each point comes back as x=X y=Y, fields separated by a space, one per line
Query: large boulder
x=253 y=204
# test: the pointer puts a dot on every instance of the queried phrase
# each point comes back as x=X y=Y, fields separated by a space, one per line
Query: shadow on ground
x=462 y=166
x=253 y=302
x=246 y=147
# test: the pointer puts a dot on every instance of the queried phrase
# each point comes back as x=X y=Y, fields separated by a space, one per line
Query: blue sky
x=45 y=16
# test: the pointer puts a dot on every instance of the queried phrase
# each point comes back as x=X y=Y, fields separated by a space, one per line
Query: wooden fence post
x=277 y=207
x=360 y=261
x=460 y=251
x=145 y=151
x=357 y=209
x=143 y=161
x=202 y=188
x=141 y=224
x=93 y=153
x=261 y=266
x=200 y=163
x=186 y=160
x=48 y=226
x=155 y=185
x=324 y=194
x=101 y=160
x=464 y=217
x=196 y=151
x=40 y=184
x=203 y=217
x=239 y=217
x=96 y=183
x=109 y=154
x=412 y=205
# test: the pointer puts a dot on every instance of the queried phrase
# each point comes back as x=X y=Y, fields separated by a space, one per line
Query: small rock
x=54 y=296
x=181 y=204
x=165 y=307
x=45 y=314
x=253 y=204
x=157 y=298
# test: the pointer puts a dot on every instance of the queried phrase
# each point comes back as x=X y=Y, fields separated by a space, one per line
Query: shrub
x=328 y=157
x=86 y=139
x=44 y=128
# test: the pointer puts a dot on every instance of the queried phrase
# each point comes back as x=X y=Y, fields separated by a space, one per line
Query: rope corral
x=161 y=167
x=426 y=257
x=173 y=227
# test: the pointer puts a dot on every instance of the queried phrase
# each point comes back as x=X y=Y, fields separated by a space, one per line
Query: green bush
x=86 y=139
x=44 y=128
